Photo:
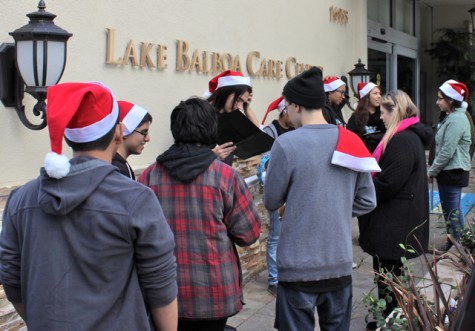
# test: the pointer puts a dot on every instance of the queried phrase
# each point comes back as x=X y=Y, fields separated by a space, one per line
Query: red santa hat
x=130 y=115
x=83 y=112
x=332 y=83
x=364 y=88
x=352 y=153
x=226 y=78
x=455 y=90
x=278 y=104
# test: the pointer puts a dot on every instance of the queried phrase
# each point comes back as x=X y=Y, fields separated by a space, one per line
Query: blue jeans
x=450 y=197
x=295 y=310
x=272 y=240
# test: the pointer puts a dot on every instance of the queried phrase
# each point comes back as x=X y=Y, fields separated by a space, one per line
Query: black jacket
x=402 y=195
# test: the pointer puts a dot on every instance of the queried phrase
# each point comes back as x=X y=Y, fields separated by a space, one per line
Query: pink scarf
x=403 y=125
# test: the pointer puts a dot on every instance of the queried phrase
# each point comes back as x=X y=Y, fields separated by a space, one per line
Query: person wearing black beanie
x=321 y=192
x=306 y=89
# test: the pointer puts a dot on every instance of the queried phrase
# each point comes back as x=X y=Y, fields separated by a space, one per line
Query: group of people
x=86 y=247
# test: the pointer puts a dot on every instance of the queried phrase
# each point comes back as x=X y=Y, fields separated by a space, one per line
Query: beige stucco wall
x=278 y=29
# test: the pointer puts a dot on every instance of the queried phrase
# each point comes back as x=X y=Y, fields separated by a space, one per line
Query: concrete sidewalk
x=259 y=311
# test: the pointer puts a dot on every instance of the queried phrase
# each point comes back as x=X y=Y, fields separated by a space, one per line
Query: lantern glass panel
x=56 y=61
x=355 y=80
x=24 y=56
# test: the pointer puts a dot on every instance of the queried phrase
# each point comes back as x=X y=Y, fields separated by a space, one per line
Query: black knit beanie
x=306 y=89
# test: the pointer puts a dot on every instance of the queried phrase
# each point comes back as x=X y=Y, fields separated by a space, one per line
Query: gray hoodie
x=321 y=198
x=77 y=251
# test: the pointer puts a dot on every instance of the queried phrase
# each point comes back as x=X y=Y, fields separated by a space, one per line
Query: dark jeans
x=393 y=266
x=450 y=197
x=201 y=325
x=295 y=310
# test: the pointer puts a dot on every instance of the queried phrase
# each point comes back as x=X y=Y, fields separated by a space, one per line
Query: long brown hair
x=362 y=113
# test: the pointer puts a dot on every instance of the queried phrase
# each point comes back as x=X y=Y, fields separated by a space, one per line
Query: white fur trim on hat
x=56 y=165
x=233 y=80
x=95 y=130
x=133 y=118
x=98 y=129
x=450 y=91
x=281 y=105
x=332 y=86
x=366 y=89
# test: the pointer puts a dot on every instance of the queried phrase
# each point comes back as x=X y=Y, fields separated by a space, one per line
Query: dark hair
x=100 y=144
x=194 y=121
x=146 y=119
x=362 y=114
x=452 y=102
x=327 y=99
x=220 y=96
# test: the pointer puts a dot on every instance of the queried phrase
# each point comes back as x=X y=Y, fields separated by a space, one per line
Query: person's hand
x=223 y=151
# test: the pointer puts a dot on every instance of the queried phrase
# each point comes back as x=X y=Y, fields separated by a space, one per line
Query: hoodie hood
x=424 y=132
x=185 y=162
x=61 y=196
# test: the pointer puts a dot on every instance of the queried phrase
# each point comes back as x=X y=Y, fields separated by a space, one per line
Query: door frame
x=393 y=42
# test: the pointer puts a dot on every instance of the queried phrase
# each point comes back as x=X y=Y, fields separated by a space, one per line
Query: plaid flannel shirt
x=207 y=216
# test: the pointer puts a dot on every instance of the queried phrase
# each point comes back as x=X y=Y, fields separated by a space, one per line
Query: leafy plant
x=416 y=311
x=467 y=238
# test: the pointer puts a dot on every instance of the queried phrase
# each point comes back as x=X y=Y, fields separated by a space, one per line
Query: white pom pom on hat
x=83 y=112
x=56 y=165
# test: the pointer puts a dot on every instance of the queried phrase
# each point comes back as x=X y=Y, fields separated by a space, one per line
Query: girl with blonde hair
x=402 y=214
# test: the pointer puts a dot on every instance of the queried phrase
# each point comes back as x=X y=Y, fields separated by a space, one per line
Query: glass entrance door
x=378 y=64
x=406 y=78
x=406 y=71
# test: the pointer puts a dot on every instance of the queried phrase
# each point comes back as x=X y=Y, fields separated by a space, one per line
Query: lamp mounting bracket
x=12 y=89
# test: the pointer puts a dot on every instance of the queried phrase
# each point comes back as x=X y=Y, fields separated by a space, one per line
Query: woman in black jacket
x=402 y=214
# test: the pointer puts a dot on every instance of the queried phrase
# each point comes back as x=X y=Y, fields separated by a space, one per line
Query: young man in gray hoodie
x=323 y=189
x=83 y=247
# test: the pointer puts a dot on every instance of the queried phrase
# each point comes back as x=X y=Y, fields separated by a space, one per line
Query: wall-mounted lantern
x=358 y=75
x=472 y=16
x=37 y=59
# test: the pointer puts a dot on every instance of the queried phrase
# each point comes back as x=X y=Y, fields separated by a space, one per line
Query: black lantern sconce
x=37 y=59
x=358 y=75
x=472 y=16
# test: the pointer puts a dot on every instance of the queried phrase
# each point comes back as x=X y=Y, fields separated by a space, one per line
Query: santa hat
x=83 y=112
x=226 y=78
x=332 y=83
x=278 y=104
x=130 y=115
x=352 y=153
x=455 y=90
x=365 y=88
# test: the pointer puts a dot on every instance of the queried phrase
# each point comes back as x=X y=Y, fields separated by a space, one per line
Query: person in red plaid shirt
x=209 y=209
